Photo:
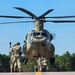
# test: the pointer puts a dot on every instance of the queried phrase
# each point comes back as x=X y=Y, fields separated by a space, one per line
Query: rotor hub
x=38 y=25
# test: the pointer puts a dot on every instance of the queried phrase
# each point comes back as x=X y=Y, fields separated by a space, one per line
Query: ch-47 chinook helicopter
x=38 y=41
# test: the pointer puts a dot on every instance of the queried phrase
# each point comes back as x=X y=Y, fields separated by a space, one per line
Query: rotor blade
x=3 y=16
x=16 y=22
x=26 y=11
x=60 y=21
x=61 y=17
x=43 y=15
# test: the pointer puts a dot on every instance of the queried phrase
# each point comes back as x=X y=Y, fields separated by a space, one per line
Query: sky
x=65 y=32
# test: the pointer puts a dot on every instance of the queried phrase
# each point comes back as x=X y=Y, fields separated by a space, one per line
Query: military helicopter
x=38 y=41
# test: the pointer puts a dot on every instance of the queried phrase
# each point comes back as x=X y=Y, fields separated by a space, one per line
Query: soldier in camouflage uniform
x=45 y=65
x=39 y=62
x=11 y=62
x=15 y=62
x=42 y=64
x=11 y=58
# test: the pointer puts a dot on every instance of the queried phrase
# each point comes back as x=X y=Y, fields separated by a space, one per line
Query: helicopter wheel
x=25 y=60
x=52 y=60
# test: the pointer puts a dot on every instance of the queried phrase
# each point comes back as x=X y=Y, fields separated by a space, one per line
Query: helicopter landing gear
x=52 y=60
x=24 y=59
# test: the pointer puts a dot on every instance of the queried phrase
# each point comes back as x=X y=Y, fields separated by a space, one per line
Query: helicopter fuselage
x=38 y=44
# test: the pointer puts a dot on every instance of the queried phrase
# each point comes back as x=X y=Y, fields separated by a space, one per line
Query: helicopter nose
x=38 y=39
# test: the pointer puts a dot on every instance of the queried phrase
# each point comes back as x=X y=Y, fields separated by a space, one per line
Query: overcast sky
x=65 y=32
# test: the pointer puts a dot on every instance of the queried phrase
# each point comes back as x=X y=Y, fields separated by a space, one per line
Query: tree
x=73 y=61
x=4 y=62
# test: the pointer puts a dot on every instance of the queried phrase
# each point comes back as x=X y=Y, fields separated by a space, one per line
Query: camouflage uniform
x=42 y=64
x=39 y=62
x=15 y=57
x=45 y=66
x=11 y=59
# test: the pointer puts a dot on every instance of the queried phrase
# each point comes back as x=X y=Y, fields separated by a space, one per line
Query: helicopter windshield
x=37 y=34
x=43 y=34
x=34 y=34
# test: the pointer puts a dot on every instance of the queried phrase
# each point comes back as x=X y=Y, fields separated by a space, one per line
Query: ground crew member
x=16 y=55
x=11 y=60
x=39 y=62
x=45 y=66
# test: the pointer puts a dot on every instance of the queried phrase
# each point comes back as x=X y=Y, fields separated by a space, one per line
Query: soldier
x=44 y=62
x=16 y=57
x=11 y=58
x=39 y=62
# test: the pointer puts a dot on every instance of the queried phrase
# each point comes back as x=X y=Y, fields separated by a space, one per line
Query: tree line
x=65 y=62
x=4 y=63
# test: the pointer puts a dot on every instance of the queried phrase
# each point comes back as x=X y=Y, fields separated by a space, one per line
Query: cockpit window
x=34 y=34
x=38 y=34
x=43 y=34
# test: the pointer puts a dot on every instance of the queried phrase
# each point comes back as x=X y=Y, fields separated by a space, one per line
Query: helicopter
x=38 y=41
